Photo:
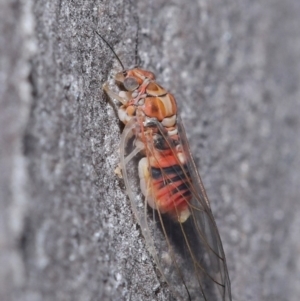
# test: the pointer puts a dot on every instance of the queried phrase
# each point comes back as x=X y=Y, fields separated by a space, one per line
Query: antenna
x=137 y=58
x=110 y=47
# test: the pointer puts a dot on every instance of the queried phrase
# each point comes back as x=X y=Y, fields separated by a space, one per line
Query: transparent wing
x=189 y=255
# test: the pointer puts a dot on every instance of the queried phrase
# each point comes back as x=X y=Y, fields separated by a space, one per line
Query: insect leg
x=145 y=179
x=113 y=95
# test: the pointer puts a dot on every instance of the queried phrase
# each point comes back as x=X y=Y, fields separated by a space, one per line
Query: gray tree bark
x=66 y=228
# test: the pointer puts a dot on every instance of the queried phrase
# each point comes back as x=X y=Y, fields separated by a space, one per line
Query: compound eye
x=130 y=83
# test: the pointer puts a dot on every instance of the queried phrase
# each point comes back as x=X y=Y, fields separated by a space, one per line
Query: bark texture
x=66 y=228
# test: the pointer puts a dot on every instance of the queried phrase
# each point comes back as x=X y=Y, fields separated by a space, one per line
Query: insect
x=165 y=189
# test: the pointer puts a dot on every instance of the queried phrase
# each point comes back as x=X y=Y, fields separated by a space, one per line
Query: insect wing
x=214 y=274
x=189 y=255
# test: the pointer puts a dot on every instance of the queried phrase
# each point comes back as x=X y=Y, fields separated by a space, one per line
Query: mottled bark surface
x=66 y=228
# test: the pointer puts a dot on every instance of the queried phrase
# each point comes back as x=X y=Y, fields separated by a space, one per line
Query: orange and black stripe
x=171 y=187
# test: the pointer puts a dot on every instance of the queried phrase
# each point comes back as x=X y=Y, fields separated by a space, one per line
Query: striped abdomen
x=171 y=188
x=166 y=185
